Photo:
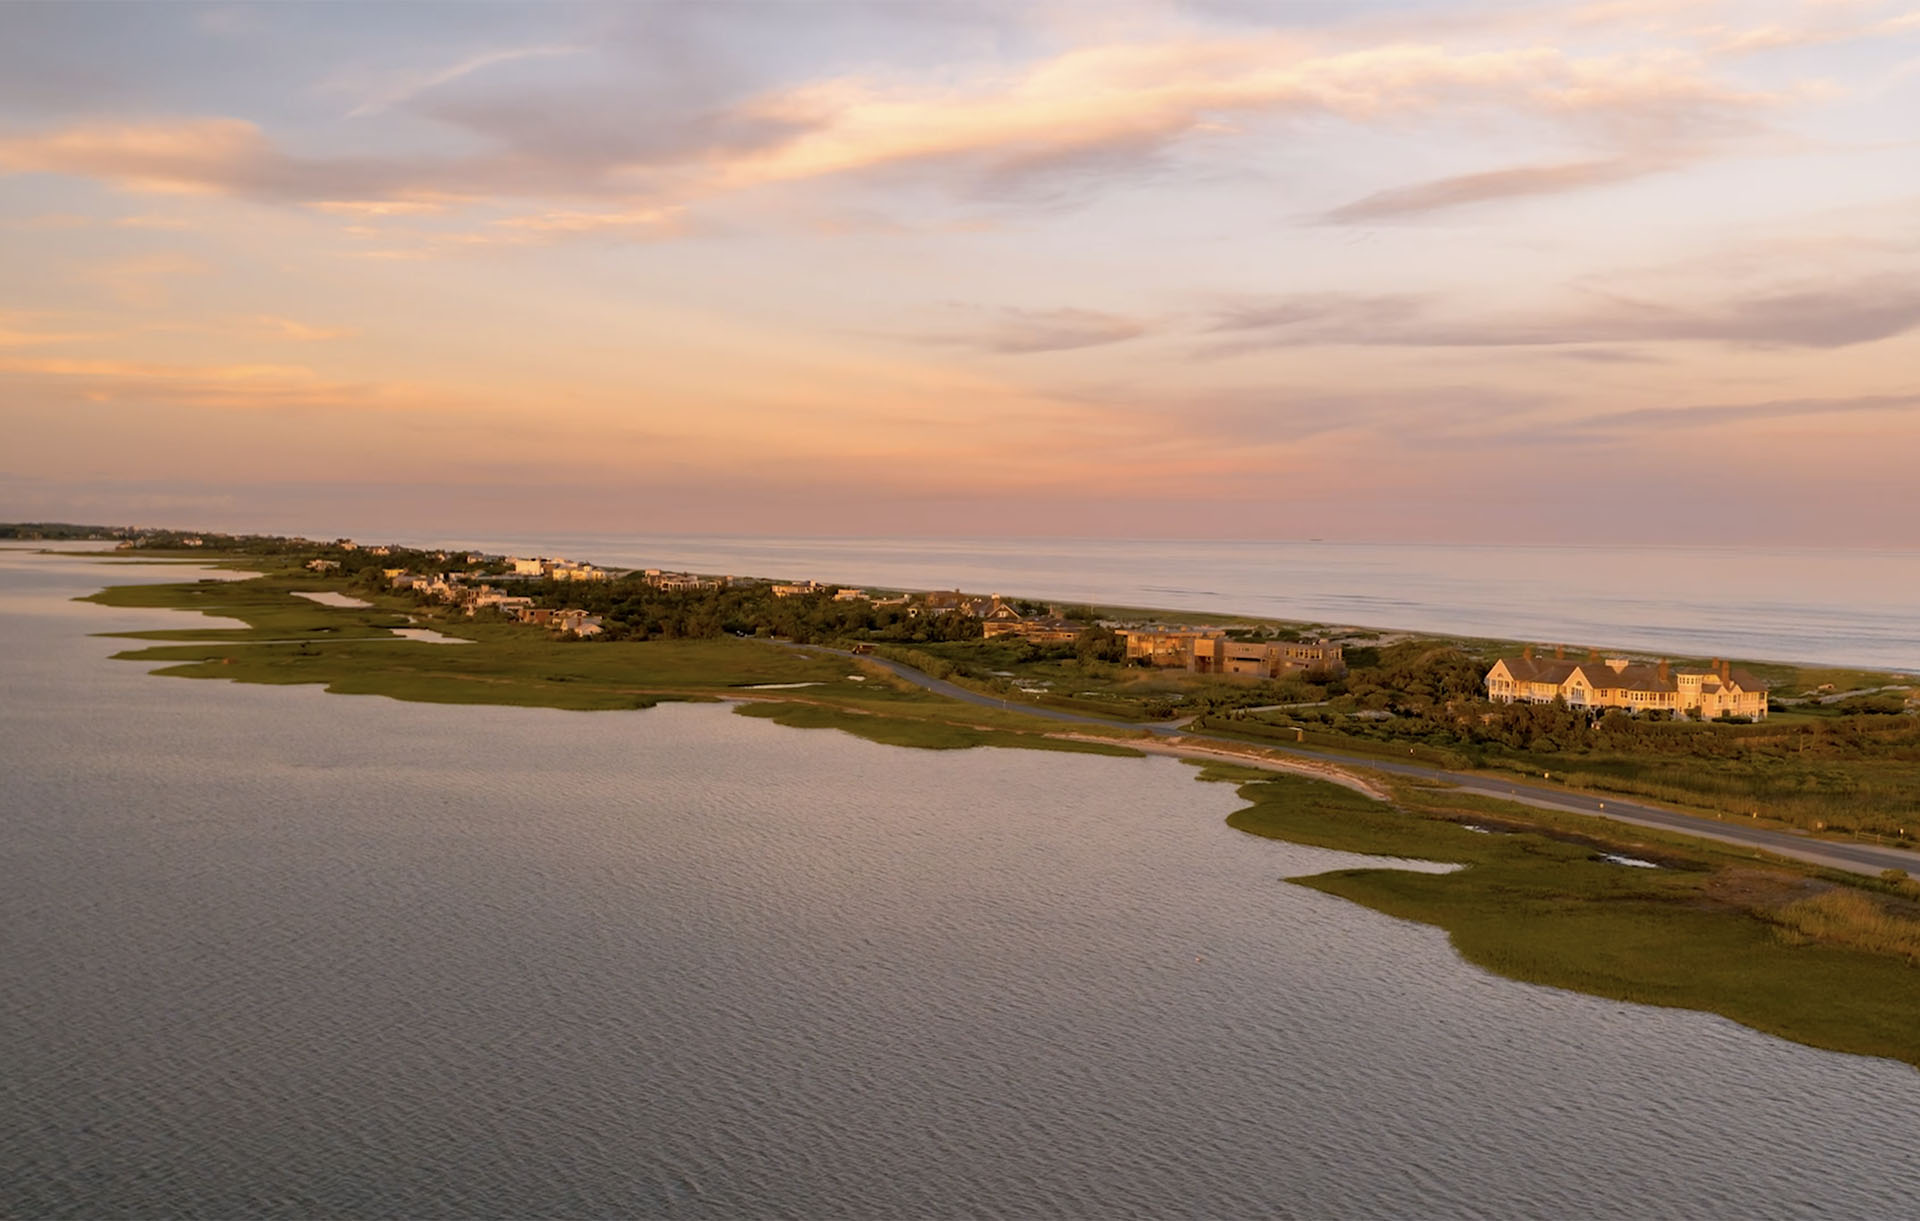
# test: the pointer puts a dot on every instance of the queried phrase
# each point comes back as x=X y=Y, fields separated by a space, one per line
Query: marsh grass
x=922 y=733
x=1852 y=919
x=1540 y=904
x=282 y=638
x=1873 y=790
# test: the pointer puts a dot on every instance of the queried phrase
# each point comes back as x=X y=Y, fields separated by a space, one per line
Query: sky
x=1400 y=270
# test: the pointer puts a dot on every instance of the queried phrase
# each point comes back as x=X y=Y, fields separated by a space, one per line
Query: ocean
x=1832 y=607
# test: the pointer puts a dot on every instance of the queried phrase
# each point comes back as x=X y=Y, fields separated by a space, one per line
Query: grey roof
x=1634 y=676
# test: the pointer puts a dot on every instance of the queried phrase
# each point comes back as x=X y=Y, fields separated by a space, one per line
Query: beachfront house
x=1636 y=686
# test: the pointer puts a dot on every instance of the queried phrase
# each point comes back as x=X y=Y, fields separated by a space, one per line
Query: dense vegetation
x=631 y=609
x=1853 y=766
x=58 y=530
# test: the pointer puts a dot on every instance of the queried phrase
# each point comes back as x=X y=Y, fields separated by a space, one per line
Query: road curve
x=1832 y=854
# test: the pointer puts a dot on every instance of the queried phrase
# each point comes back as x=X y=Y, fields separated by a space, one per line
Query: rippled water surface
x=1836 y=607
x=274 y=952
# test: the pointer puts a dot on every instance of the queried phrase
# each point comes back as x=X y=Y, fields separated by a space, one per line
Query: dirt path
x=1184 y=748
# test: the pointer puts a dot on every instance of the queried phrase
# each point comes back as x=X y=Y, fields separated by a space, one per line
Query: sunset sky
x=1637 y=270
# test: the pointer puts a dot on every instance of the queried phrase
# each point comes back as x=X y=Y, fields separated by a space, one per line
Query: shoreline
x=1538 y=892
x=1677 y=651
x=367 y=622
x=1011 y=586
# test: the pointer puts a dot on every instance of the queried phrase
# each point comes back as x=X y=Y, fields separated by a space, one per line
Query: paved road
x=1833 y=854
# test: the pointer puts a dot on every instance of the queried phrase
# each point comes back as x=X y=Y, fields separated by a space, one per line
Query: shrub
x=1852 y=919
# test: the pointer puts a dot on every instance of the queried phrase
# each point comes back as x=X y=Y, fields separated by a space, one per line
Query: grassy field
x=1797 y=954
x=1824 y=774
x=921 y=732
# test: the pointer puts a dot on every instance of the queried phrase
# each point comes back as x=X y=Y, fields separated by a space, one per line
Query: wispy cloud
x=300 y=332
x=1018 y=332
x=1838 y=23
x=1136 y=99
x=409 y=86
x=224 y=387
x=20 y=329
x=1642 y=426
x=1832 y=315
x=1098 y=110
x=143 y=281
x=1513 y=182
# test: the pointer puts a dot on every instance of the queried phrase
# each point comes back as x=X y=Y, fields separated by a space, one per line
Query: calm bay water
x=274 y=952
x=1837 y=607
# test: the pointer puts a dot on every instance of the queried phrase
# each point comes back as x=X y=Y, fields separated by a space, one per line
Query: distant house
x=954 y=602
x=850 y=595
x=999 y=610
x=799 y=589
x=1004 y=619
x=490 y=597
x=1039 y=630
x=1636 y=686
x=1208 y=650
x=576 y=623
x=678 y=582
x=527 y=568
x=324 y=565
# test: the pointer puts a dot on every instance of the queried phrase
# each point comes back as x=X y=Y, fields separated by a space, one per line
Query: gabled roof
x=1634 y=676
x=1540 y=670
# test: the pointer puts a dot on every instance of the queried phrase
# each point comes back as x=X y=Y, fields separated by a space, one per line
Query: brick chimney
x=1526 y=654
x=1663 y=669
x=1559 y=652
x=1593 y=654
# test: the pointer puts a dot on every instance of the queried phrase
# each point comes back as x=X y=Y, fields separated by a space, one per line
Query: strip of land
x=1812 y=939
x=1834 y=854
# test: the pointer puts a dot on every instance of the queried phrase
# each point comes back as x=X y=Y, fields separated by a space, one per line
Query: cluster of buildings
x=454 y=589
x=1637 y=686
x=556 y=569
x=1594 y=683
x=1209 y=650
x=681 y=582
